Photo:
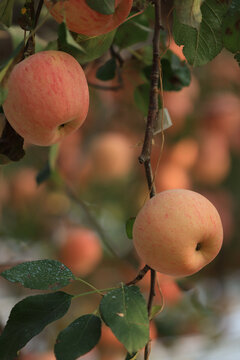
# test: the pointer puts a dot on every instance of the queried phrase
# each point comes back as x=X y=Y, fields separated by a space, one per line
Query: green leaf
x=93 y=47
x=129 y=227
x=132 y=32
x=141 y=97
x=231 y=28
x=156 y=309
x=107 y=71
x=40 y=274
x=6 y=10
x=189 y=12
x=201 y=46
x=175 y=73
x=105 y=7
x=124 y=310
x=3 y=94
x=66 y=42
x=78 y=338
x=28 y=318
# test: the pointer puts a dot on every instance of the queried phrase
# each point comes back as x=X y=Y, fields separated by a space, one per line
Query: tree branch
x=145 y=157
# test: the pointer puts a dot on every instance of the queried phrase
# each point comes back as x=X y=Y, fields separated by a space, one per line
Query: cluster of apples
x=178 y=231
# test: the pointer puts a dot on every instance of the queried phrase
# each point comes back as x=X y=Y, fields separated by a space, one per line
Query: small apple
x=82 y=19
x=47 y=97
x=178 y=232
x=81 y=252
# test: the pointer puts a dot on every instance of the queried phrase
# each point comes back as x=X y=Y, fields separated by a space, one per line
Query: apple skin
x=48 y=97
x=81 y=252
x=81 y=19
x=178 y=232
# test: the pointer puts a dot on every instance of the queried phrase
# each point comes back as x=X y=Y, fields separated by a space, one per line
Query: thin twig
x=153 y=101
x=145 y=157
x=150 y=302
x=38 y=12
x=91 y=218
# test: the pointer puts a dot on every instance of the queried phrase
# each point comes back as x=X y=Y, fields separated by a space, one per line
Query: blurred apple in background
x=221 y=113
x=223 y=200
x=82 y=19
x=184 y=153
x=56 y=203
x=171 y=176
x=167 y=292
x=111 y=155
x=213 y=163
x=23 y=187
x=180 y=104
x=70 y=156
x=223 y=71
x=81 y=250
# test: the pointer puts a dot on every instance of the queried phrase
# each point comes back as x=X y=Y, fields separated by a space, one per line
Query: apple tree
x=145 y=50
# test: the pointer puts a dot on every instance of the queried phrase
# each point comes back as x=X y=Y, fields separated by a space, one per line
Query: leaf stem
x=88 y=284
x=93 y=292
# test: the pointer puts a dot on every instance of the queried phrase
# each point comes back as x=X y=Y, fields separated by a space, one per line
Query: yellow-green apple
x=178 y=232
x=82 y=19
x=81 y=252
x=47 y=97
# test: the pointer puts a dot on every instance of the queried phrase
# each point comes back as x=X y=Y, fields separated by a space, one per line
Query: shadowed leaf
x=28 y=318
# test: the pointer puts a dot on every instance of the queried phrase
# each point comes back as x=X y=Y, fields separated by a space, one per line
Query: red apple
x=47 y=97
x=82 y=19
x=178 y=232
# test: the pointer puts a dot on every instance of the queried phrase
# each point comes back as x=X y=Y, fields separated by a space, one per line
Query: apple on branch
x=48 y=97
x=178 y=232
x=82 y=19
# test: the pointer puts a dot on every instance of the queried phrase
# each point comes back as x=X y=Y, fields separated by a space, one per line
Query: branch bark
x=145 y=157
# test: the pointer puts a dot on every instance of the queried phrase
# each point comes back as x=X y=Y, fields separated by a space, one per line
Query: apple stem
x=139 y=276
